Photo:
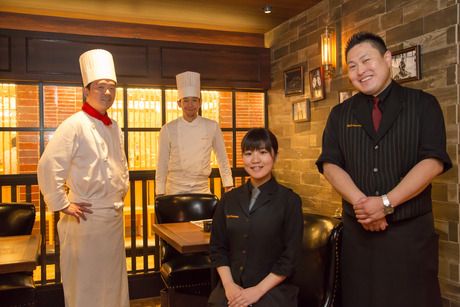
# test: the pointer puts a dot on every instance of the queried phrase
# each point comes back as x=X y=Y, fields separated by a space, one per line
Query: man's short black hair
x=376 y=41
x=259 y=138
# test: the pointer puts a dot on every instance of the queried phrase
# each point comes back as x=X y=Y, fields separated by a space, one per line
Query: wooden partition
x=53 y=57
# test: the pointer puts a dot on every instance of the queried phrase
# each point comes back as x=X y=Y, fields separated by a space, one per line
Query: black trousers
x=394 y=268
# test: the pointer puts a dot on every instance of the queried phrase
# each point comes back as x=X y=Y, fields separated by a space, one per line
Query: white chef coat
x=184 y=157
x=88 y=157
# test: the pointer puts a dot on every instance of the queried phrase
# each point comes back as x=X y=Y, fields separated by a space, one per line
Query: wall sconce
x=328 y=51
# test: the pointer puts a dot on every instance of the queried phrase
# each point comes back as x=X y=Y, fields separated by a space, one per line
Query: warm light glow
x=328 y=51
x=267 y=9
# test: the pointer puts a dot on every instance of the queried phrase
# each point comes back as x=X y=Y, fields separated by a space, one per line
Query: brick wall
x=249 y=109
x=432 y=25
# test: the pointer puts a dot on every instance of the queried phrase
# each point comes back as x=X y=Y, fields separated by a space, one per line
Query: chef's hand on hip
x=78 y=210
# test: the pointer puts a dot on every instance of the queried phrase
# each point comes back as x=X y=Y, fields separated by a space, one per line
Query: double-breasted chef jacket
x=397 y=267
x=265 y=240
x=184 y=156
x=87 y=157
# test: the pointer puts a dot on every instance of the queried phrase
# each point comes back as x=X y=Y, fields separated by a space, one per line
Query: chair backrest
x=16 y=219
x=318 y=271
x=184 y=207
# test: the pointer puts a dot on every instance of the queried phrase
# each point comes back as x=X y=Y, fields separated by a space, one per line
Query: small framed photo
x=405 y=64
x=316 y=78
x=293 y=81
x=344 y=95
x=301 y=111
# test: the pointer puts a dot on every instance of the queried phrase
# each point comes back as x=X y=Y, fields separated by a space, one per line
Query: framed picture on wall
x=293 y=81
x=301 y=111
x=405 y=64
x=345 y=94
x=316 y=78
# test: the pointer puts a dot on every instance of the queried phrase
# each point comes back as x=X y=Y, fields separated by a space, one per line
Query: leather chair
x=186 y=273
x=17 y=289
x=318 y=271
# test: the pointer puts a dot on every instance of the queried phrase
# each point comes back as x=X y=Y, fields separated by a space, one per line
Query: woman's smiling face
x=259 y=164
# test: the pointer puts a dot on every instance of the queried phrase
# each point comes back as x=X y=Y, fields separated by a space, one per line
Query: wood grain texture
x=127 y=30
x=53 y=57
x=18 y=253
x=184 y=237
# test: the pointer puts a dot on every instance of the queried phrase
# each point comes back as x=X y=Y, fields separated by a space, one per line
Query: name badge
x=354 y=125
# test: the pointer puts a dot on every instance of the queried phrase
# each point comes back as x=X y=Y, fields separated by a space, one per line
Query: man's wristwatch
x=387 y=208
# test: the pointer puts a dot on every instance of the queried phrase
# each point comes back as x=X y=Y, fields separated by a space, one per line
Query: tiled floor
x=146 y=302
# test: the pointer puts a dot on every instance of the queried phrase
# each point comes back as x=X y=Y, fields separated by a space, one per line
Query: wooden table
x=18 y=253
x=184 y=237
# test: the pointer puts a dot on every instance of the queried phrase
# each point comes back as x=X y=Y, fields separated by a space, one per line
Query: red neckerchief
x=88 y=109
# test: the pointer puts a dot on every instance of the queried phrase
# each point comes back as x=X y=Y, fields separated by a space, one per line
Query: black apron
x=394 y=268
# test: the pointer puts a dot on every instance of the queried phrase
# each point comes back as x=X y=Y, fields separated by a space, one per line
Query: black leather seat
x=318 y=271
x=188 y=273
x=17 y=289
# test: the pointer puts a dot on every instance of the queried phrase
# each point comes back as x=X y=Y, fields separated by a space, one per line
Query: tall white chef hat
x=95 y=65
x=188 y=84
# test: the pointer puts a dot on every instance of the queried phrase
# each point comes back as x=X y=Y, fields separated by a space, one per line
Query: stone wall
x=403 y=23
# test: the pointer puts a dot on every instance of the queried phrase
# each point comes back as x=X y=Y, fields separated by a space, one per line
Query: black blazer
x=266 y=239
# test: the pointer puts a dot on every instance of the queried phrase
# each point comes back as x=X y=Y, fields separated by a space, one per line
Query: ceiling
x=234 y=15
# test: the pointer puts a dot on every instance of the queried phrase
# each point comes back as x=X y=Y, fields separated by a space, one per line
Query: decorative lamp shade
x=328 y=50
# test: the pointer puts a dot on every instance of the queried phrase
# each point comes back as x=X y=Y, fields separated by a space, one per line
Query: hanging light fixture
x=328 y=51
x=267 y=9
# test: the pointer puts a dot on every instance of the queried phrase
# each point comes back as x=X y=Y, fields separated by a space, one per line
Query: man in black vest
x=381 y=150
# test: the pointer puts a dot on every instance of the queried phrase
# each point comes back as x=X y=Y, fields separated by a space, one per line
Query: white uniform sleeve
x=54 y=165
x=163 y=160
x=222 y=160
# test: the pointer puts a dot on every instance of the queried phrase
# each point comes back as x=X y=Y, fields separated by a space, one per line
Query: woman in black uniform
x=257 y=233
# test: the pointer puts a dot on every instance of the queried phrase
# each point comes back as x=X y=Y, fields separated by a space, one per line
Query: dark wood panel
x=212 y=64
x=54 y=56
x=5 y=53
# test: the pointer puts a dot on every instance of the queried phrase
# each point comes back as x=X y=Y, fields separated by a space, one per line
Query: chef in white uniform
x=86 y=157
x=184 y=158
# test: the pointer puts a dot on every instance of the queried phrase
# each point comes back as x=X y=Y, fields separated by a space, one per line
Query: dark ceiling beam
x=27 y=22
